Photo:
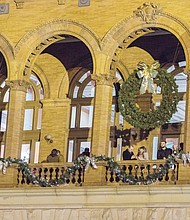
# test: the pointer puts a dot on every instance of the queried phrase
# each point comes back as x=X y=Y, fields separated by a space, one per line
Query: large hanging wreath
x=133 y=86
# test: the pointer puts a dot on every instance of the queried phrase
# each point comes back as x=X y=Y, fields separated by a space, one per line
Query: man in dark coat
x=163 y=152
x=128 y=154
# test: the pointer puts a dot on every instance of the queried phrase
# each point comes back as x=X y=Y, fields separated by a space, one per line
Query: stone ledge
x=95 y=197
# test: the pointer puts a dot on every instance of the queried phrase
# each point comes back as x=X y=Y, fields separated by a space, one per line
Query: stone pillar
x=16 y=109
x=102 y=113
x=187 y=117
x=55 y=122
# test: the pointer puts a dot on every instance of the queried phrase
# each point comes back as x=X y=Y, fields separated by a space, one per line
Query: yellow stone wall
x=102 y=26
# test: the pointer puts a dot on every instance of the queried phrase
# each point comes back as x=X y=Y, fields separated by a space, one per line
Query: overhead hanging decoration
x=144 y=79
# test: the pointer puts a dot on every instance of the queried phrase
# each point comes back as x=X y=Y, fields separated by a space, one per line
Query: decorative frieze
x=147 y=12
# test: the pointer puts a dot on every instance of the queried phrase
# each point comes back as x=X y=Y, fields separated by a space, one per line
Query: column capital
x=104 y=79
x=20 y=85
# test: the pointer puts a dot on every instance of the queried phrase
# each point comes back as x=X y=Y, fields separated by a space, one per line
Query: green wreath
x=153 y=118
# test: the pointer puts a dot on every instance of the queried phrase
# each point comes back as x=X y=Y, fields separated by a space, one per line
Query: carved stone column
x=13 y=140
x=102 y=113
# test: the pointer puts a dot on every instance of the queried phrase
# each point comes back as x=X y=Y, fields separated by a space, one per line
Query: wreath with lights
x=139 y=80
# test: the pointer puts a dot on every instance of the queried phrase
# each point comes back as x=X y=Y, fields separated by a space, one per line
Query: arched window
x=32 y=121
x=82 y=90
x=4 y=99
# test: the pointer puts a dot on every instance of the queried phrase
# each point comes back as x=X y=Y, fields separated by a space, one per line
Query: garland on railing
x=85 y=162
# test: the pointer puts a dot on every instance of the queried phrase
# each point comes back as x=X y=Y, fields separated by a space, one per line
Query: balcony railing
x=103 y=175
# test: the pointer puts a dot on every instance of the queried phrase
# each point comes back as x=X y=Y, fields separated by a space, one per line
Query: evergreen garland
x=82 y=162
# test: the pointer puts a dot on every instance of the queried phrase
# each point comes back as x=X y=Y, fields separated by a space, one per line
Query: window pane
x=2 y=85
x=6 y=96
x=70 y=151
x=155 y=148
x=30 y=94
x=39 y=122
x=83 y=145
x=118 y=75
x=3 y=120
x=28 y=119
x=113 y=91
x=121 y=120
x=112 y=115
x=75 y=93
x=41 y=92
x=179 y=116
x=89 y=90
x=36 y=153
x=181 y=81
x=73 y=116
x=35 y=79
x=25 y=152
x=2 y=151
x=86 y=116
x=84 y=76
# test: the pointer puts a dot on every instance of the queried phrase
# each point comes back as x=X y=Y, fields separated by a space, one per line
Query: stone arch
x=35 y=41
x=7 y=51
x=129 y=29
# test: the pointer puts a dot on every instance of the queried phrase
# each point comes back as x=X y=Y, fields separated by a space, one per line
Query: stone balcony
x=96 y=194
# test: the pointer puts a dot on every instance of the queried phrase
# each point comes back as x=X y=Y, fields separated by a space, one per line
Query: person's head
x=163 y=144
x=142 y=149
x=86 y=152
x=130 y=148
x=54 y=152
x=58 y=152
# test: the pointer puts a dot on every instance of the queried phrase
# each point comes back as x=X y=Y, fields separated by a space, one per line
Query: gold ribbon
x=148 y=73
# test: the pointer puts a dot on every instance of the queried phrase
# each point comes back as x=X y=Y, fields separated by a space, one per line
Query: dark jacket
x=164 y=153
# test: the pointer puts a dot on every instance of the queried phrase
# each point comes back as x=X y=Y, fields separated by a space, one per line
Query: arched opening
x=161 y=45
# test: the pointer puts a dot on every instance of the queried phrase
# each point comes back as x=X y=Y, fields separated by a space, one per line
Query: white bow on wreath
x=148 y=74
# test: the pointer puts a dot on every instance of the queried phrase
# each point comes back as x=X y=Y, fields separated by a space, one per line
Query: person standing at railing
x=60 y=156
x=128 y=154
x=163 y=152
x=142 y=153
x=53 y=157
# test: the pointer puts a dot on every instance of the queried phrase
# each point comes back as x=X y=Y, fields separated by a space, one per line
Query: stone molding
x=126 y=195
x=60 y=24
x=104 y=79
x=19 y=85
